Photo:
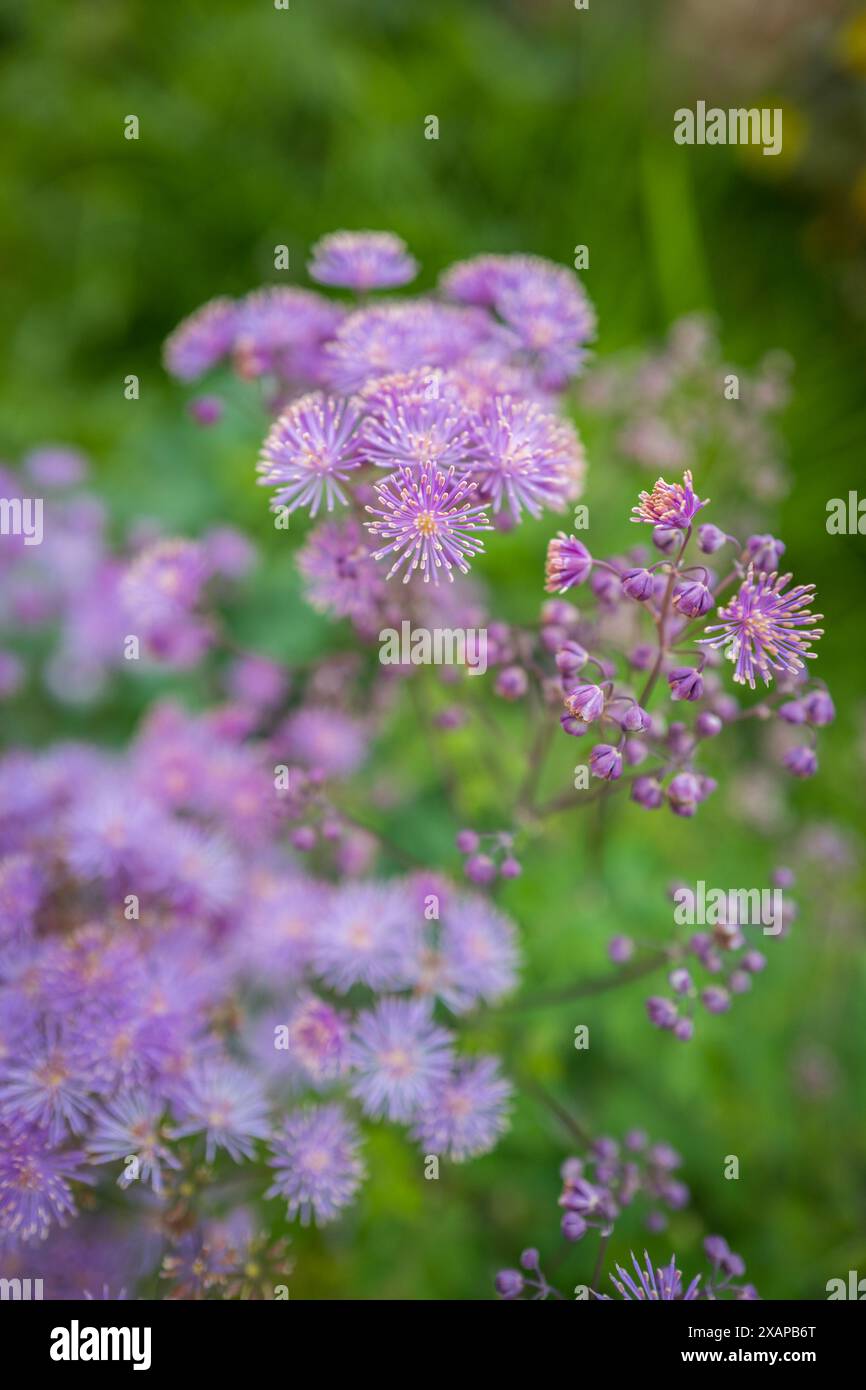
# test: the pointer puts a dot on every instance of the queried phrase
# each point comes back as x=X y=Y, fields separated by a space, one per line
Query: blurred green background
x=262 y=127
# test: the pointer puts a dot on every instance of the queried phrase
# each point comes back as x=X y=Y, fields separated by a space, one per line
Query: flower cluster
x=609 y=670
x=436 y=417
x=595 y=1191
x=178 y=993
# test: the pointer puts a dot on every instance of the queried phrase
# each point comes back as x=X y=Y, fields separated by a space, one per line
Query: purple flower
x=131 y=1126
x=526 y=457
x=512 y=683
x=686 y=683
x=411 y=419
x=465 y=1114
x=509 y=1283
x=428 y=522
x=765 y=552
x=388 y=338
x=801 y=762
x=341 y=575
x=692 y=598
x=316 y=1163
x=669 y=505
x=309 y=453
x=568 y=563
x=201 y=340
x=478 y=954
x=585 y=702
x=282 y=332
x=759 y=628
x=318 y=1039
x=820 y=709
x=48 y=1085
x=684 y=793
x=661 y=1285
x=34 y=1183
x=620 y=949
x=715 y=999
x=228 y=1104
x=605 y=761
x=362 y=261
x=639 y=584
x=710 y=538
x=365 y=937
x=661 y=1011
x=646 y=791
x=399 y=1057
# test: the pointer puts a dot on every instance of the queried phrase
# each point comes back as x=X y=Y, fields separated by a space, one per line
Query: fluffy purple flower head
x=318 y=1039
x=362 y=261
x=429 y=522
x=201 y=340
x=526 y=457
x=282 y=331
x=47 y=1085
x=762 y=628
x=316 y=1163
x=309 y=453
x=399 y=1057
x=568 y=563
x=465 y=1114
x=131 y=1126
x=410 y=421
x=669 y=505
x=365 y=937
x=228 y=1104
x=478 y=956
x=34 y=1183
x=388 y=338
x=663 y=1285
x=341 y=575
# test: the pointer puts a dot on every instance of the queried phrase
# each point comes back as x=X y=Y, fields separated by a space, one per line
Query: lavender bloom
x=710 y=538
x=283 y=332
x=399 y=1056
x=309 y=453
x=228 y=1104
x=759 y=628
x=365 y=937
x=464 y=1115
x=661 y=1285
x=586 y=702
x=316 y=1163
x=686 y=683
x=388 y=338
x=131 y=1126
x=34 y=1183
x=692 y=598
x=411 y=421
x=48 y=1087
x=428 y=522
x=639 y=584
x=526 y=457
x=669 y=505
x=341 y=575
x=765 y=552
x=646 y=791
x=568 y=563
x=201 y=340
x=605 y=761
x=318 y=1039
x=802 y=762
x=478 y=954
x=819 y=709
x=362 y=261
